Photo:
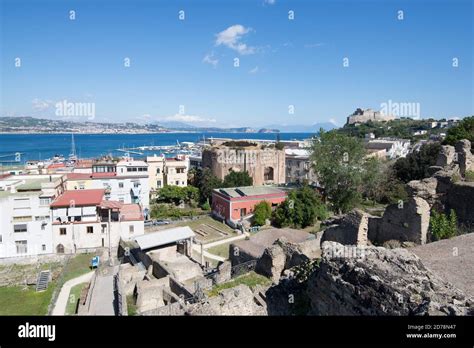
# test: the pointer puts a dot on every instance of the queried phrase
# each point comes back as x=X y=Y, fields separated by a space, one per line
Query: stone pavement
x=102 y=295
x=63 y=297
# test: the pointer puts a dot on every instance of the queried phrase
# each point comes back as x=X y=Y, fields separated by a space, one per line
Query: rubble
x=381 y=282
x=238 y=300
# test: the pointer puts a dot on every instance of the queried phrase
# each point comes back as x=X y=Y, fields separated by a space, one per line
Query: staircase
x=259 y=296
x=43 y=280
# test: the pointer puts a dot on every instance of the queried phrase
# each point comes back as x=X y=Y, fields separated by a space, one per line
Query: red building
x=232 y=204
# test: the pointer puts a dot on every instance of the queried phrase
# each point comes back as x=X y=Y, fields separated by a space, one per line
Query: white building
x=25 y=219
x=395 y=148
x=298 y=167
x=83 y=219
x=126 y=181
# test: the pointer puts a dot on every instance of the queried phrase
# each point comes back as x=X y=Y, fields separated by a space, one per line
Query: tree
x=178 y=194
x=338 y=160
x=380 y=183
x=301 y=209
x=463 y=130
x=261 y=213
x=205 y=181
x=415 y=166
x=236 y=179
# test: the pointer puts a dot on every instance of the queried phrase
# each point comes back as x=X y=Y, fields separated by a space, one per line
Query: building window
x=20 y=228
x=136 y=184
x=158 y=183
x=45 y=201
x=21 y=246
x=180 y=170
x=43 y=247
x=157 y=170
x=131 y=228
x=104 y=227
x=120 y=184
x=62 y=231
x=90 y=229
x=1 y=239
x=177 y=183
x=60 y=249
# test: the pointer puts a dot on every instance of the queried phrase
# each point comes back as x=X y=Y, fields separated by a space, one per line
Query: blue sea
x=44 y=146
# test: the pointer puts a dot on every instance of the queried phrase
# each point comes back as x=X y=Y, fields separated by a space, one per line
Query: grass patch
x=77 y=266
x=250 y=279
x=74 y=296
x=220 y=250
x=469 y=176
x=16 y=301
x=131 y=306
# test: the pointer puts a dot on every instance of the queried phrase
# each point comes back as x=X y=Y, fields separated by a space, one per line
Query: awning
x=164 y=237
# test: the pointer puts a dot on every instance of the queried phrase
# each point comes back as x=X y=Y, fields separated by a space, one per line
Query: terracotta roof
x=84 y=164
x=79 y=198
x=111 y=205
x=56 y=165
x=131 y=212
x=103 y=175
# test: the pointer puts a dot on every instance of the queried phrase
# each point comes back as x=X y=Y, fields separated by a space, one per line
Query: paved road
x=63 y=297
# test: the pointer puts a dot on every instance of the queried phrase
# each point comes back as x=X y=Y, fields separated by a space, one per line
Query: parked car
x=161 y=222
x=148 y=223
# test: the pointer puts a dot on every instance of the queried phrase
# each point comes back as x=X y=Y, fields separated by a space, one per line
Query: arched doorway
x=268 y=174
x=60 y=249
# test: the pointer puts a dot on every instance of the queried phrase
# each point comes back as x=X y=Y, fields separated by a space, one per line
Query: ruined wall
x=461 y=198
x=351 y=230
x=407 y=222
x=253 y=159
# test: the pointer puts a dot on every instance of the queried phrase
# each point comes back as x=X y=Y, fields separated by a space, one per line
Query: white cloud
x=41 y=105
x=232 y=38
x=314 y=45
x=187 y=119
x=269 y=2
x=209 y=59
x=254 y=70
x=333 y=121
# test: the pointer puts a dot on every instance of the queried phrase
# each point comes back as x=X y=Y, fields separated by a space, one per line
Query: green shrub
x=469 y=176
x=443 y=226
x=261 y=213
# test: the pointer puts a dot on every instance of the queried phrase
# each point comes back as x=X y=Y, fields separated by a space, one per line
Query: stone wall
x=460 y=198
x=352 y=229
x=407 y=222
x=253 y=159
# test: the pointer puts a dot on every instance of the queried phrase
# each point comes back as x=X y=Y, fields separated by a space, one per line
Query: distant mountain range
x=28 y=124
x=303 y=128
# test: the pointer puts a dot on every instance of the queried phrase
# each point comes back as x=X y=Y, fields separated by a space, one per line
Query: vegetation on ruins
x=261 y=213
x=237 y=179
x=443 y=226
x=463 y=130
x=380 y=183
x=338 y=160
x=415 y=166
x=301 y=209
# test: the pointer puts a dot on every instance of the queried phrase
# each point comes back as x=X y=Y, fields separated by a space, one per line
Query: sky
x=300 y=62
